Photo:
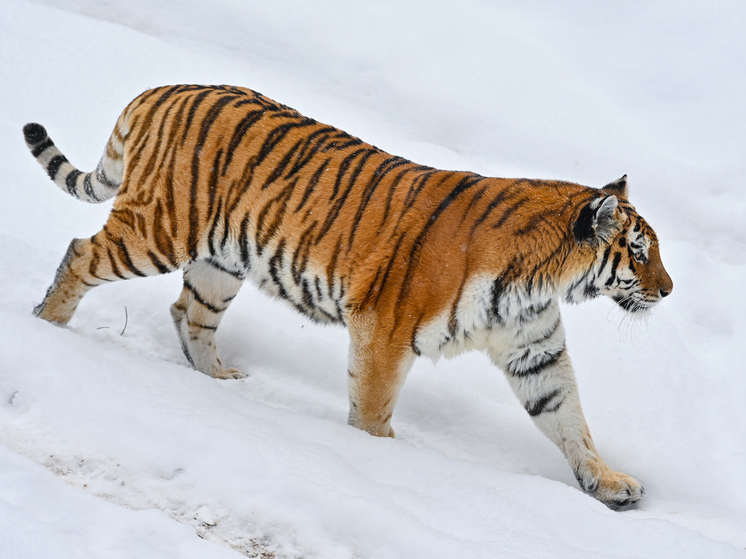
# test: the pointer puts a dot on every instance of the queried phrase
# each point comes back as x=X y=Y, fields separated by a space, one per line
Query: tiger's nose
x=665 y=293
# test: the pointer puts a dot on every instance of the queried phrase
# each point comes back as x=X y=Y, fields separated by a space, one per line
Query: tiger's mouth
x=632 y=304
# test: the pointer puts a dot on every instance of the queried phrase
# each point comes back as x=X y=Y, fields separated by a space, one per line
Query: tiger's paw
x=374 y=428
x=616 y=490
x=230 y=373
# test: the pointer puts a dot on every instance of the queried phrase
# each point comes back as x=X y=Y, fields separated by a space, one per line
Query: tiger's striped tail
x=94 y=187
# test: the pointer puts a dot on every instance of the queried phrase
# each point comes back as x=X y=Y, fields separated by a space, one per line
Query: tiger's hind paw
x=227 y=374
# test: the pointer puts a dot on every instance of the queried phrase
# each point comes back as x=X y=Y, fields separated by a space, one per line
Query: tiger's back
x=297 y=205
x=304 y=207
x=227 y=185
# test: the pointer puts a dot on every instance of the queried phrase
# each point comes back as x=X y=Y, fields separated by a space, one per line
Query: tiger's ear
x=597 y=221
x=618 y=188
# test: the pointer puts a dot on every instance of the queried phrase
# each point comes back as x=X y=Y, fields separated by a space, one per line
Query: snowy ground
x=112 y=447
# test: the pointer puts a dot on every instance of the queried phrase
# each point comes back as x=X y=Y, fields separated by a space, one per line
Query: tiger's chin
x=632 y=305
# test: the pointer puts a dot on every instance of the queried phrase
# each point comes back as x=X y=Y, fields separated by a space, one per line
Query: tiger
x=227 y=185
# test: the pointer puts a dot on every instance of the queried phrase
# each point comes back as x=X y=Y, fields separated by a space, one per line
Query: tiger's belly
x=277 y=273
x=503 y=324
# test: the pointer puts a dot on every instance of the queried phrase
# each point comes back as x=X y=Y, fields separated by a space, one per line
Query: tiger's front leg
x=542 y=377
x=377 y=367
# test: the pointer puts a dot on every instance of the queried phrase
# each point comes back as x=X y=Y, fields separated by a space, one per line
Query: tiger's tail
x=93 y=187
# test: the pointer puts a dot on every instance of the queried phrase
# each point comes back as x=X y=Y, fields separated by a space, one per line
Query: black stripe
x=551 y=331
x=88 y=188
x=162 y=268
x=127 y=261
x=277 y=135
x=394 y=187
x=54 y=165
x=614 y=266
x=312 y=145
x=103 y=179
x=240 y=187
x=200 y=300
x=243 y=243
x=114 y=267
x=198 y=100
x=538 y=406
x=340 y=202
x=508 y=212
x=192 y=236
x=311 y=186
x=275 y=264
x=161 y=235
x=371 y=287
x=478 y=195
x=498 y=288
x=378 y=175
x=201 y=326
x=340 y=312
x=545 y=218
x=218 y=266
x=125 y=216
x=281 y=166
x=41 y=148
x=212 y=115
x=453 y=318
x=212 y=185
x=463 y=185
x=243 y=126
x=142 y=225
x=209 y=119
x=384 y=278
x=331 y=267
x=497 y=200
x=532 y=312
x=214 y=227
x=344 y=167
x=70 y=182
x=605 y=259
x=152 y=160
x=549 y=359
x=265 y=232
x=413 y=342
x=226 y=231
x=167 y=92
x=418 y=184
x=302 y=253
x=348 y=142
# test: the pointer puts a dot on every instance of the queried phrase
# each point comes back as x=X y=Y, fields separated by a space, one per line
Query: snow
x=111 y=446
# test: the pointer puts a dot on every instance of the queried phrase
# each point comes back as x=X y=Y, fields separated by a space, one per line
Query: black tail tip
x=34 y=133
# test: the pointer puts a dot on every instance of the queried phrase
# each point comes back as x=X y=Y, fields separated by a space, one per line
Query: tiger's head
x=625 y=260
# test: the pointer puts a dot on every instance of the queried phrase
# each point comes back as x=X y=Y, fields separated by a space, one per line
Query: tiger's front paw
x=375 y=428
x=616 y=490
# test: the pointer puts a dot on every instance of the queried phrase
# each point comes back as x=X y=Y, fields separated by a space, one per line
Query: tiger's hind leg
x=208 y=290
x=68 y=288
x=114 y=253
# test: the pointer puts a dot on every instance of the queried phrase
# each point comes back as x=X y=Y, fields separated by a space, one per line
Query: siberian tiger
x=228 y=185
